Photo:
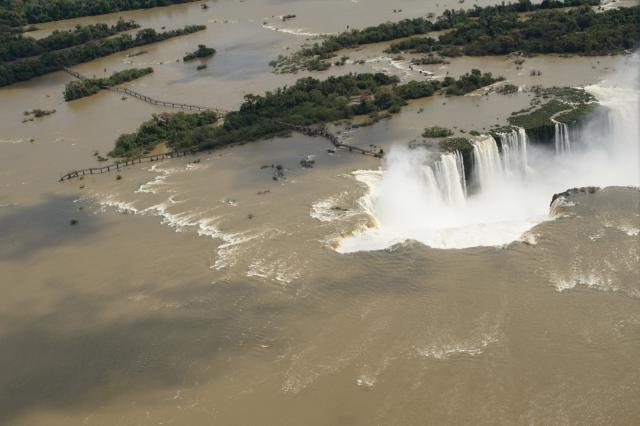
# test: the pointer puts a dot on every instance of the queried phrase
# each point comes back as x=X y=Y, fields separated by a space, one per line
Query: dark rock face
x=575 y=191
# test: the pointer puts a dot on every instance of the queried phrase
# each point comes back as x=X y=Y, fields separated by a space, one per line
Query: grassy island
x=309 y=101
x=561 y=104
x=564 y=104
x=81 y=88
x=202 y=52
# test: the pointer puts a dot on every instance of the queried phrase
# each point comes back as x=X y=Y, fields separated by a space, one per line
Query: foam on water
x=11 y=141
x=279 y=270
x=448 y=350
x=296 y=31
x=330 y=208
x=153 y=186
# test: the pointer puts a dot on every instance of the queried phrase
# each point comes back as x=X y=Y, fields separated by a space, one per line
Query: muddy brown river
x=208 y=293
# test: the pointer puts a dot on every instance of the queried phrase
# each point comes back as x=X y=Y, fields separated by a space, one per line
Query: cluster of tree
x=462 y=145
x=468 y=82
x=25 y=69
x=15 y=45
x=436 y=132
x=494 y=32
x=202 y=52
x=162 y=128
x=308 y=101
x=21 y=12
x=411 y=27
x=81 y=88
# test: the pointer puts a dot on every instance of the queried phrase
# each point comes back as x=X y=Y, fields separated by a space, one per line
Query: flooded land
x=241 y=286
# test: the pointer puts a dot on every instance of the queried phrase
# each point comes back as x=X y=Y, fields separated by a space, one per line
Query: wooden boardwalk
x=149 y=99
x=335 y=140
x=321 y=131
x=118 y=165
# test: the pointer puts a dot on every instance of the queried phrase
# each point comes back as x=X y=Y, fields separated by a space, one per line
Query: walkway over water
x=118 y=165
x=321 y=131
x=149 y=99
x=335 y=140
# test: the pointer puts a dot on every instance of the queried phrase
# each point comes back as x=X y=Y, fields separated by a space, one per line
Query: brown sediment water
x=208 y=293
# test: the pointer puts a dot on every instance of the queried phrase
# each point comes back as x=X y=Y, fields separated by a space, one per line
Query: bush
x=202 y=52
x=81 y=88
x=436 y=132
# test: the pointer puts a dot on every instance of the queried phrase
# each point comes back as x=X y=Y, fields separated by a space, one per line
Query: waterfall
x=562 y=141
x=486 y=162
x=449 y=176
x=514 y=152
x=415 y=198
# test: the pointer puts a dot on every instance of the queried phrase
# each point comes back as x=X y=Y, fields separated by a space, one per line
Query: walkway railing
x=149 y=99
x=118 y=165
x=335 y=140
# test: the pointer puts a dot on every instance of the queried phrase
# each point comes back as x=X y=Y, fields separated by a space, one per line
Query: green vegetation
x=507 y=89
x=436 y=132
x=576 y=114
x=493 y=32
x=570 y=95
x=456 y=144
x=566 y=104
x=451 y=19
x=468 y=83
x=81 y=88
x=37 y=113
x=25 y=69
x=539 y=117
x=15 y=45
x=21 y=12
x=307 y=102
x=170 y=128
x=202 y=52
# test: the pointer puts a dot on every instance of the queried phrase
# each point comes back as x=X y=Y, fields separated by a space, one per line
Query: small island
x=202 y=53
x=338 y=98
x=81 y=88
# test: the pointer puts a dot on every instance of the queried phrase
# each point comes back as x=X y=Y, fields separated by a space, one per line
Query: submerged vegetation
x=490 y=30
x=25 y=69
x=81 y=88
x=307 y=102
x=202 y=52
x=37 y=113
x=21 y=12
